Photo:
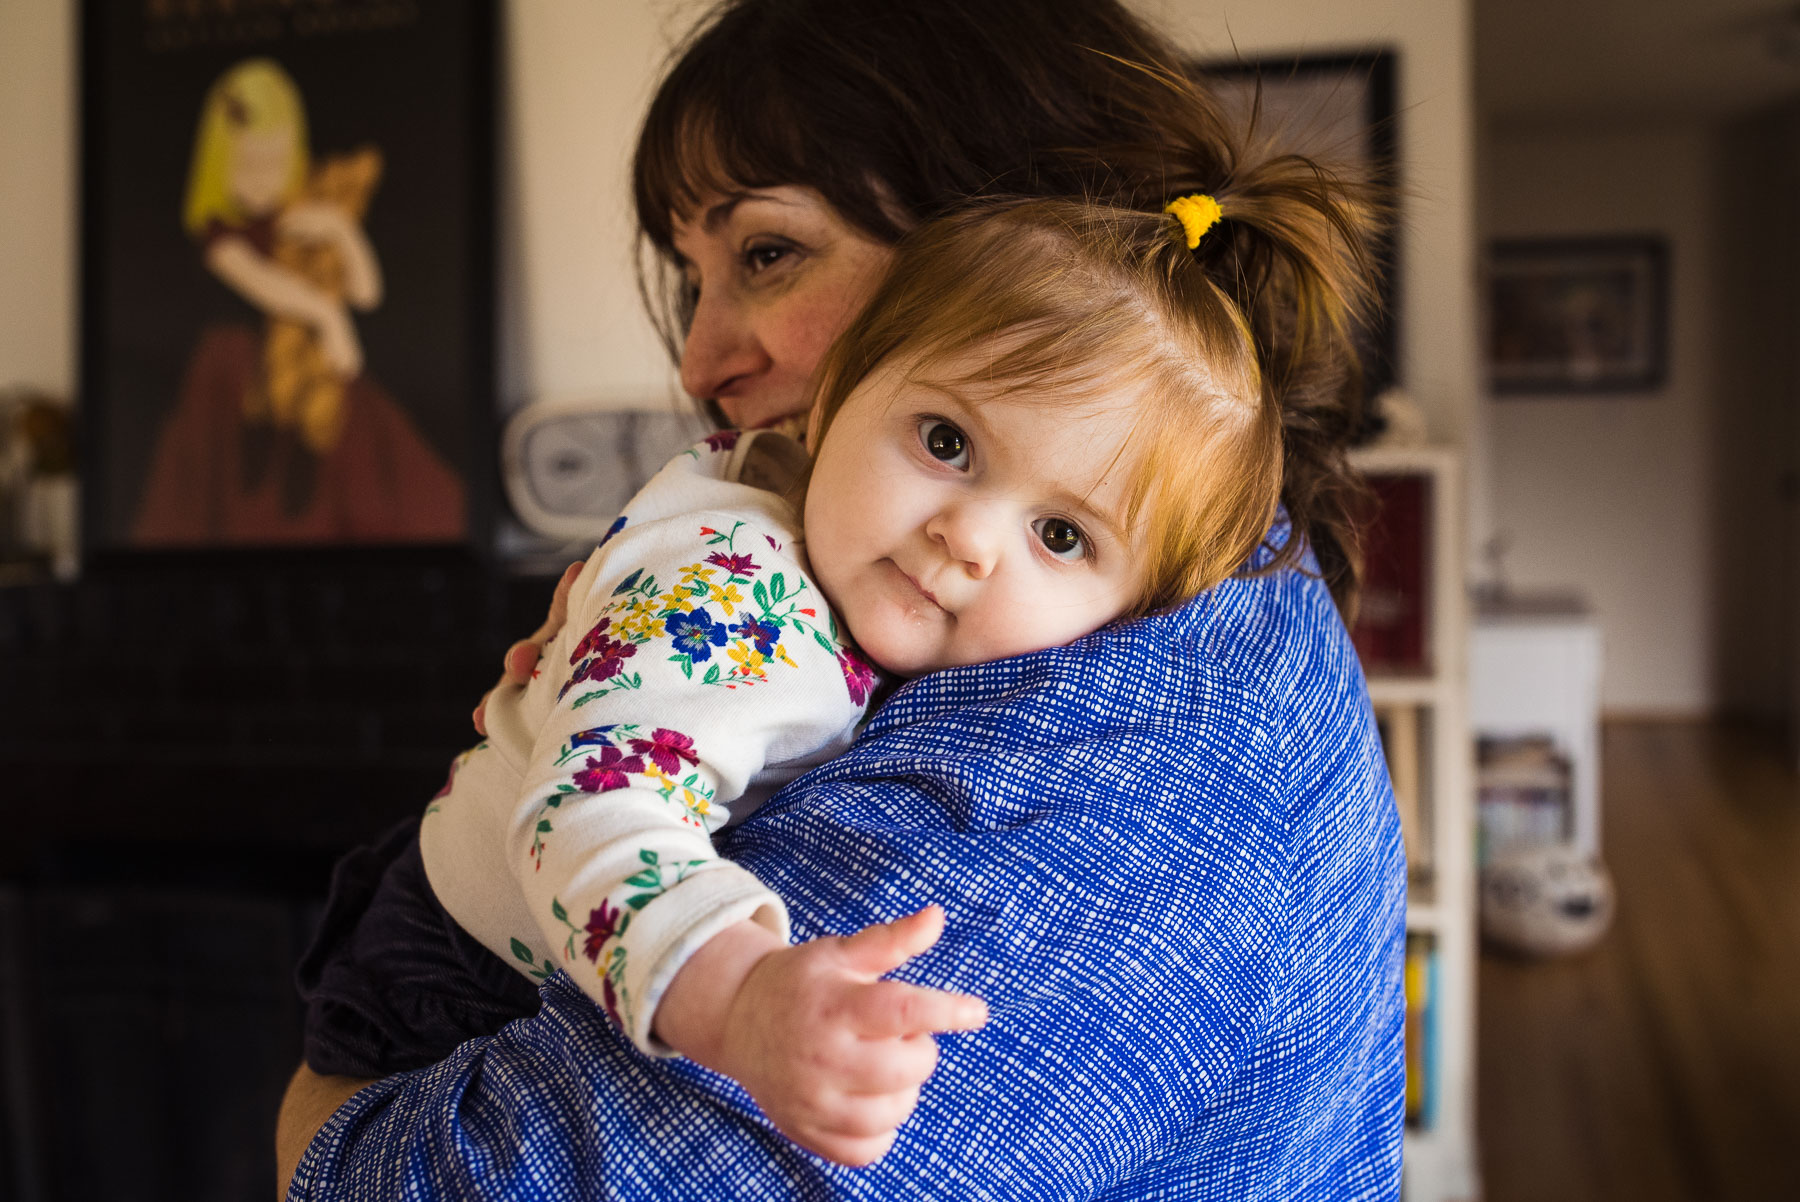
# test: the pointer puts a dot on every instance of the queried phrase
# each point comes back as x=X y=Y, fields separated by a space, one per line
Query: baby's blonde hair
x=254 y=96
x=1078 y=299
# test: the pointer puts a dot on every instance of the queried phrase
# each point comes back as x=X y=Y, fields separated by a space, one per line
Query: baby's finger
x=885 y=1066
x=892 y=1009
x=559 y=601
x=865 y=1116
x=479 y=717
x=520 y=662
x=857 y=1152
x=886 y=946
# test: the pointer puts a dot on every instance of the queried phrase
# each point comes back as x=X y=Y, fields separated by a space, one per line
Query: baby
x=1051 y=417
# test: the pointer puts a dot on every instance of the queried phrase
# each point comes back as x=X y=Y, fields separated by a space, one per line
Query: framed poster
x=287 y=282
x=1577 y=314
x=1339 y=111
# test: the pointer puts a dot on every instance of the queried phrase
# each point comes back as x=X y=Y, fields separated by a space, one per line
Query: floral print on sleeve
x=729 y=619
x=609 y=757
x=717 y=633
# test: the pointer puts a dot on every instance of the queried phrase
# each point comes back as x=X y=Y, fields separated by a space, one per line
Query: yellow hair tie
x=1197 y=214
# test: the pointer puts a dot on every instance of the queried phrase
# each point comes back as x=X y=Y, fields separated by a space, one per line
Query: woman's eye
x=1061 y=538
x=764 y=255
x=944 y=442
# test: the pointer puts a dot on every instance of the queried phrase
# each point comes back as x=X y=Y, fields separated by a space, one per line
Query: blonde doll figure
x=278 y=434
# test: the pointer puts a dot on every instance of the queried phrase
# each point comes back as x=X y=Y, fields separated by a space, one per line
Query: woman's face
x=777 y=275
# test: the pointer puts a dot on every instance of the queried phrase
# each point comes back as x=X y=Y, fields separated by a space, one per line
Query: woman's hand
x=833 y=1054
x=520 y=660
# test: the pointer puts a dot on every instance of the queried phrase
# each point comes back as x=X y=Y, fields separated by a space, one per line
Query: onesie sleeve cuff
x=666 y=933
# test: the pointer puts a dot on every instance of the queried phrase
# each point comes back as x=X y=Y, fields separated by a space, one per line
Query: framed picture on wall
x=287 y=281
x=1577 y=314
x=1338 y=110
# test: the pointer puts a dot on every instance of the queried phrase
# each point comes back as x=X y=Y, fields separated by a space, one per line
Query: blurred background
x=1581 y=630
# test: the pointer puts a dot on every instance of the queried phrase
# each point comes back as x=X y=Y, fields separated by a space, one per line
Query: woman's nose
x=971 y=534
x=721 y=347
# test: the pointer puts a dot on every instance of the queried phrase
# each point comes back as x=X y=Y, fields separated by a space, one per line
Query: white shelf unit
x=1535 y=670
x=1441 y=1163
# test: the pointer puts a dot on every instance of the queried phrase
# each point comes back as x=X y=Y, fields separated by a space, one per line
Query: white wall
x=578 y=75
x=1613 y=494
x=37 y=195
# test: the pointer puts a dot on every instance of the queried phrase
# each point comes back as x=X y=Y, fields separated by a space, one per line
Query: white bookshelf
x=1440 y=1161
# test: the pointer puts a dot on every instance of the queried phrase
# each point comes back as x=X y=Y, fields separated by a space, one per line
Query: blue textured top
x=1172 y=866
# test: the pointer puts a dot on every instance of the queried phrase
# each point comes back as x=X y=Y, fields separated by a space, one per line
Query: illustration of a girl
x=280 y=435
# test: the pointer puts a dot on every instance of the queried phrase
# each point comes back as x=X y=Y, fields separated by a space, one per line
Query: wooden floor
x=1665 y=1064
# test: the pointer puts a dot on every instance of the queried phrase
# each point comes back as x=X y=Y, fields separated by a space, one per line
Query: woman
x=1169 y=852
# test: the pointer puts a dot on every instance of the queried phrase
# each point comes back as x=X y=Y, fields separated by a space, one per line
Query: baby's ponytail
x=1294 y=250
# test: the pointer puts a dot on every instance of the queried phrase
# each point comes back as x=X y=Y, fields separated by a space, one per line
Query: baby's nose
x=970 y=534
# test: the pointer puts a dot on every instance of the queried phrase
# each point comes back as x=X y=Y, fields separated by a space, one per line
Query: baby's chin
x=910 y=658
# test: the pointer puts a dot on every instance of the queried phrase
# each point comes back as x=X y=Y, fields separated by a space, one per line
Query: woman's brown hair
x=900 y=113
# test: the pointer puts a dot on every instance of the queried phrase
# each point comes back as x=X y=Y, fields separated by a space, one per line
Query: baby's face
x=957 y=525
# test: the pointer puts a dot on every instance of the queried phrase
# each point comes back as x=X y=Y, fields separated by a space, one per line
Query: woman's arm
x=1128 y=942
x=309 y=1101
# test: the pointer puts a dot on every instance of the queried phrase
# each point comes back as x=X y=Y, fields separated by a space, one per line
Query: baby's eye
x=944 y=442
x=1061 y=538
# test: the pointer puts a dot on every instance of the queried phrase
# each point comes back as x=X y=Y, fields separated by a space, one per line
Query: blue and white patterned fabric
x=1172 y=866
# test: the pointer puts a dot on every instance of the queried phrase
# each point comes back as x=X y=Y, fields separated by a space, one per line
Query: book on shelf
x=1422 y=1003
x=1391 y=633
x=1401 y=727
x=1523 y=794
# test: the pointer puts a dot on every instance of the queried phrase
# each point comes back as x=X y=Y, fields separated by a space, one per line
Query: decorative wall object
x=287 y=272
x=1577 y=315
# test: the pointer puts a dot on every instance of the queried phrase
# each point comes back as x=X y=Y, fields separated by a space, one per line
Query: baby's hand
x=833 y=1054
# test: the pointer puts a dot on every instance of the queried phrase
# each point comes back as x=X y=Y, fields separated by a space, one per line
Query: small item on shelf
x=1421 y=1030
x=1390 y=632
x=1524 y=788
x=1400 y=421
x=37 y=484
x=1402 y=743
x=1547 y=900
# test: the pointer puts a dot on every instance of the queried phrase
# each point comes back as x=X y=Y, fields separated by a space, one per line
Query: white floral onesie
x=699 y=667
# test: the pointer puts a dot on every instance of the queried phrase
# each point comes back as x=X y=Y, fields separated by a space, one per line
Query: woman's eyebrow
x=718 y=214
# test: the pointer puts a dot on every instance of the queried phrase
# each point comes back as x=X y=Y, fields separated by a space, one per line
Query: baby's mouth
x=917 y=587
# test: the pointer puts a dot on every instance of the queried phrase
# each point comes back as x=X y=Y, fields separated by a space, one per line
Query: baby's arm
x=703 y=652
